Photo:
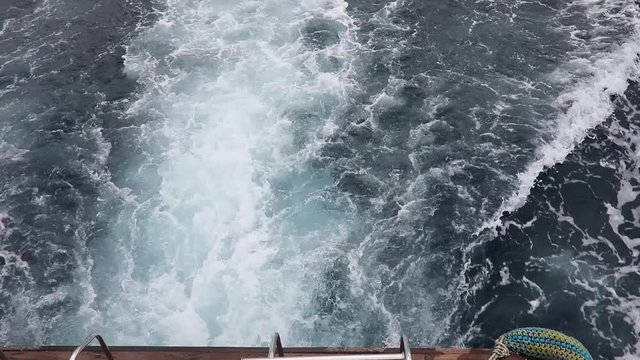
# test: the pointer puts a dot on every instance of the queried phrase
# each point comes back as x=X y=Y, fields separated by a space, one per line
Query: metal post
x=404 y=347
x=276 y=346
x=87 y=341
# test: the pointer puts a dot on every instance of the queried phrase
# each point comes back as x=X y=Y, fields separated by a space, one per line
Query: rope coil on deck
x=539 y=343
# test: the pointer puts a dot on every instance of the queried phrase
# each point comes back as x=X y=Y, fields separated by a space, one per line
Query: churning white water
x=236 y=92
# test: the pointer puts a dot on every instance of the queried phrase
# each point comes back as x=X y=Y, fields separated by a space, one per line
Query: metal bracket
x=276 y=349
x=276 y=346
x=86 y=342
x=404 y=347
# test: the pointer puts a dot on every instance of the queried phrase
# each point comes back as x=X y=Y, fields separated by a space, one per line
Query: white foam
x=541 y=299
x=590 y=105
x=11 y=259
x=223 y=81
x=631 y=308
x=629 y=173
x=505 y=276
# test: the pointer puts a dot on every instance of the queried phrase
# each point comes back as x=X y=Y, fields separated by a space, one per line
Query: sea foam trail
x=624 y=215
x=584 y=106
x=236 y=92
x=59 y=70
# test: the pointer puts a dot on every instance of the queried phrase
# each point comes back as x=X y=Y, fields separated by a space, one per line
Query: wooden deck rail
x=220 y=353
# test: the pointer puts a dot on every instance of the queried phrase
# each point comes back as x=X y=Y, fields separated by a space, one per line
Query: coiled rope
x=539 y=343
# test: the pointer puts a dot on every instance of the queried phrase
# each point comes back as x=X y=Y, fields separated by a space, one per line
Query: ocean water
x=207 y=172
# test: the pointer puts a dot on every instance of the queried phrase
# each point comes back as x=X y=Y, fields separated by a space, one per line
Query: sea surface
x=207 y=172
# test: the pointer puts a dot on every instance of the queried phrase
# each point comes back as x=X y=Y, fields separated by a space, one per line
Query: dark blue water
x=207 y=172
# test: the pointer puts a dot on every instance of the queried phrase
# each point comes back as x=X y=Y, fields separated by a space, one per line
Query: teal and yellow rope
x=540 y=343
